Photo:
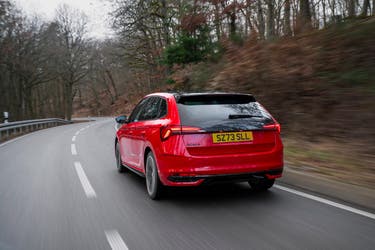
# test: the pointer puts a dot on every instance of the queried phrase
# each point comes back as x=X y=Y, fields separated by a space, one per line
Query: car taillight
x=275 y=126
x=167 y=131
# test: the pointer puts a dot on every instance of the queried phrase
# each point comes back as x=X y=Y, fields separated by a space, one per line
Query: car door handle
x=143 y=134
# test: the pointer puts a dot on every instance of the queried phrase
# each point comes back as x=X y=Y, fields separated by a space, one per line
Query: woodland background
x=310 y=62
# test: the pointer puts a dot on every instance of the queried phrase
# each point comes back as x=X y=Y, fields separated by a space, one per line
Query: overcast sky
x=96 y=10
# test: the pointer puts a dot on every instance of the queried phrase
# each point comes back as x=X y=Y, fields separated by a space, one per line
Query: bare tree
x=261 y=24
x=351 y=8
x=304 y=16
x=73 y=61
x=365 y=8
x=287 y=28
x=270 y=19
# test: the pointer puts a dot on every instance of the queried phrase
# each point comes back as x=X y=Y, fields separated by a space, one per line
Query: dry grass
x=346 y=162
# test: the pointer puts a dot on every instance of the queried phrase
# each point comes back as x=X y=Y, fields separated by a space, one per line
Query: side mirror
x=121 y=119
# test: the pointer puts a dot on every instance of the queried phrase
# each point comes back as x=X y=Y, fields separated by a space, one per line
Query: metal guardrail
x=13 y=128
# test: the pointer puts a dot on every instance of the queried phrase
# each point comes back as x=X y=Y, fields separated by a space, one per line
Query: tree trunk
x=304 y=17
x=107 y=88
x=351 y=8
x=324 y=13
x=332 y=5
x=61 y=99
x=232 y=21
x=96 y=98
x=68 y=100
x=261 y=25
x=217 y=22
x=109 y=74
x=164 y=13
x=270 y=20
x=366 y=5
x=29 y=103
x=315 y=21
x=287 y=29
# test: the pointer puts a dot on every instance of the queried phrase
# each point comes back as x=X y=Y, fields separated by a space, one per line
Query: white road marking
x=77 y=133
x=90 y=192
x=115 y=240
x=328 y=202
x=74 y=138
x=73 y=149
x=13 y=140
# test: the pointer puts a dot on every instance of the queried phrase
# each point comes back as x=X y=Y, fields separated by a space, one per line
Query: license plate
x=232 y=137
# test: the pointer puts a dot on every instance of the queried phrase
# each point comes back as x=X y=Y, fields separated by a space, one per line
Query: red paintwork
x=195 y=154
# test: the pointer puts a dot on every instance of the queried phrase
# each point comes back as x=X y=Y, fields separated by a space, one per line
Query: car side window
x=137 y=110
x=162 y=108
x=150 y=110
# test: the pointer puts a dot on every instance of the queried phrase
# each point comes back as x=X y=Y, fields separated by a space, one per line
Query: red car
x=189 y=139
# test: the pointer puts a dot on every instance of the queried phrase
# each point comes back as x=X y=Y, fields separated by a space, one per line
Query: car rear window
x=215 y=99
x=217 y=112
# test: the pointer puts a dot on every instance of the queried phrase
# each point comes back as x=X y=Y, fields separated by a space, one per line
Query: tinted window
x=150 y=110
x=224 y=112
x=162 y=108
x=136 y=111
x=215 y=99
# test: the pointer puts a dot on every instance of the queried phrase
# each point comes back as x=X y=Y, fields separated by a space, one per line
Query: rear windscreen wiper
x=239 y=116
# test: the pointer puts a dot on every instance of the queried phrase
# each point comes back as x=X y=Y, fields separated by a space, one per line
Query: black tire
x=153 y=184
x=120 y=168
x=261 y=185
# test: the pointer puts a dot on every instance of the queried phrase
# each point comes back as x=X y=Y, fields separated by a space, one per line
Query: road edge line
x=327 y=202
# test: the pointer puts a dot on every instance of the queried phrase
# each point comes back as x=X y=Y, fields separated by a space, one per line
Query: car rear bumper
x=194 y=171
x=222 y=178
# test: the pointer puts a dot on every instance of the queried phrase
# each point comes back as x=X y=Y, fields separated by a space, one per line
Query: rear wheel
x=120 y=168
x=154 y=186
x=262 y=184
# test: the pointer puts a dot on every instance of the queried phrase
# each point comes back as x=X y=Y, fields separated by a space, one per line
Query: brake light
x=275 y=126
x=186 y=129
x=167 y=131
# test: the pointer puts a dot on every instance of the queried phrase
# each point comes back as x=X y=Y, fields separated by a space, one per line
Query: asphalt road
x=57 y=196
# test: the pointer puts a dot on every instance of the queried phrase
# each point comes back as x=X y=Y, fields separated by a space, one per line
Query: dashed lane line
x=89 y=190
x=73 y=149
x=115 y=240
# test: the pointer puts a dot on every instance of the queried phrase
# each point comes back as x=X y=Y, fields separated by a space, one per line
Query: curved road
x=59 y=189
